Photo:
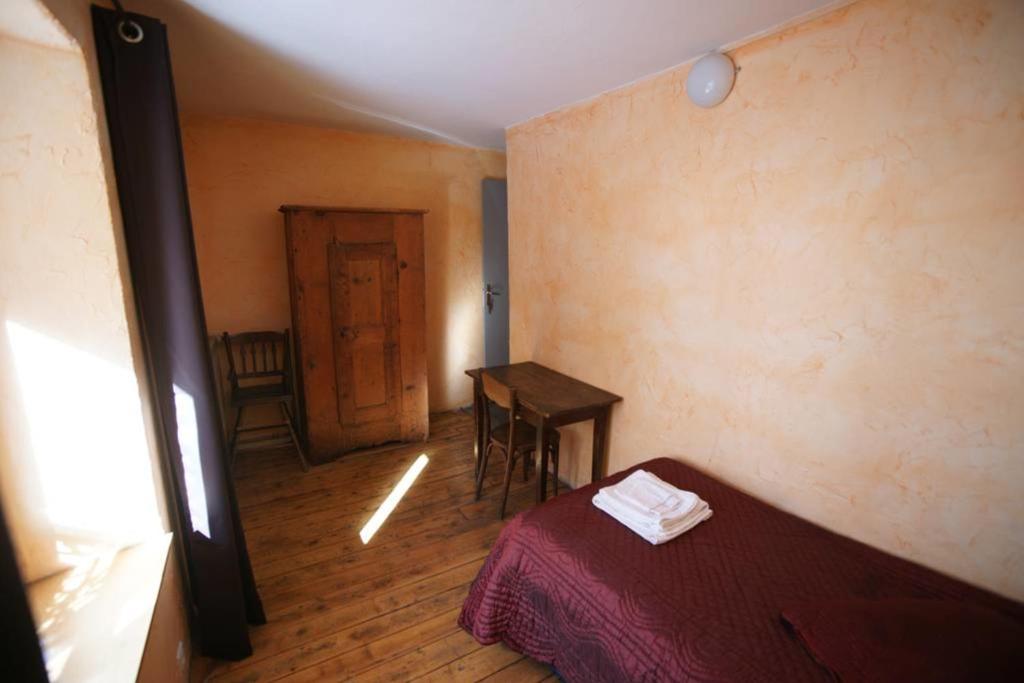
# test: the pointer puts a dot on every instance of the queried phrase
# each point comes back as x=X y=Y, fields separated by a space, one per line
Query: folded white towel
x=656 y=525
x=652 y=508
x=648 y=533
x=651 y=500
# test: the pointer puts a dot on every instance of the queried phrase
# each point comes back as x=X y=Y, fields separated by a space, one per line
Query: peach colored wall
x=240 y=171
x=815 y=291
x=79 y=468
x=167 y=653
x=76 y=467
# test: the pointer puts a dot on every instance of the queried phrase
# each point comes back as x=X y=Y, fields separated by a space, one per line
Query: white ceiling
x=454 y=70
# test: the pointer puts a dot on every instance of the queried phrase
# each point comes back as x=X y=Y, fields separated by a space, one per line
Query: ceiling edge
x=195 y=117
x=806 y=17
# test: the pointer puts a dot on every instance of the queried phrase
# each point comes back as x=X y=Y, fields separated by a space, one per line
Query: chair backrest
x=504 y=396
x=258 y=358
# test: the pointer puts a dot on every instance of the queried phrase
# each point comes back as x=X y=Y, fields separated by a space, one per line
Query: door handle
x=489 y=293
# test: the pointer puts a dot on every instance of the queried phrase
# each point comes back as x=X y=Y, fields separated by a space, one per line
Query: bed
x=568 y=585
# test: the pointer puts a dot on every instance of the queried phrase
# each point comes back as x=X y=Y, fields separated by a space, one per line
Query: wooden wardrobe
x=357 y=298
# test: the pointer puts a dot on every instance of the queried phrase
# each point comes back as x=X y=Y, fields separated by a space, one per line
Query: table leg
x=478 y=425
x=541 y=456
x=600 y=444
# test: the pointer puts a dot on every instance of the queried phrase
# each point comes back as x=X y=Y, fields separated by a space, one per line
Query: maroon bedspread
x=568 y=585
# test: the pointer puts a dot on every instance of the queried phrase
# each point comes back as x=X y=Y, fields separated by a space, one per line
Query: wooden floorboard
x=384 y=611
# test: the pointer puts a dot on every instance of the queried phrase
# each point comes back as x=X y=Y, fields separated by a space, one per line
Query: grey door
x=495 y=286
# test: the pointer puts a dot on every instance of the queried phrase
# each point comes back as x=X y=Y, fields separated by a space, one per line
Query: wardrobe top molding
x=287 y=208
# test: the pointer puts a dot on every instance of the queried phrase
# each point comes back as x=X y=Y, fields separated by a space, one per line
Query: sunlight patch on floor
x=391 y=502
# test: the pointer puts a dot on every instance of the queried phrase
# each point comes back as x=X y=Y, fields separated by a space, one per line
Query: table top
x=546 y=392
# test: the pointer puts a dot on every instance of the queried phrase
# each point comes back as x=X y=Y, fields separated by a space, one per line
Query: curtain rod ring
x=130 y=31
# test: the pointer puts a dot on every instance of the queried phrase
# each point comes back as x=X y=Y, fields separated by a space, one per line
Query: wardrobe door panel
x=358 y=310
x=412 y=311
x=365 y=319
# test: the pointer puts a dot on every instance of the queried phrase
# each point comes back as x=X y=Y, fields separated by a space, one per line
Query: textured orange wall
x=815 y=290
x=77 y=474
x=241 y=171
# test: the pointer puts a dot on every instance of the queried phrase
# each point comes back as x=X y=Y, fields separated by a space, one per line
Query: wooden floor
x=387 y=610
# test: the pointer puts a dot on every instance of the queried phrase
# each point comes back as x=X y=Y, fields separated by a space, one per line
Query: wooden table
x=547 y=399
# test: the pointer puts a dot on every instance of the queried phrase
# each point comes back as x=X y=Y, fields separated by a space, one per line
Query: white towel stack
x=652 y=508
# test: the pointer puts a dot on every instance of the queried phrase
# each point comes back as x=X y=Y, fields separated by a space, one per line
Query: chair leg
x=483 y=470
x=509 y=466
x=554 y=456
x=526 y=465
x=234 y=436
x=295 y=437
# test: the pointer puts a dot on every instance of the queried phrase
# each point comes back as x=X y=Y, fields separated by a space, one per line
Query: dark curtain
x=142 y=116
x=19 y=646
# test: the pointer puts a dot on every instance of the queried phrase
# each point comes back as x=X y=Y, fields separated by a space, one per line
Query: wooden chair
x=260 y=373
x=515 y=439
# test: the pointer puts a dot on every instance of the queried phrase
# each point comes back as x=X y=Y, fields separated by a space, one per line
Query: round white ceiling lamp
x=710 y=80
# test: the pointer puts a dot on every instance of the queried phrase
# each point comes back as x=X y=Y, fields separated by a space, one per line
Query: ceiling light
x=710 y=80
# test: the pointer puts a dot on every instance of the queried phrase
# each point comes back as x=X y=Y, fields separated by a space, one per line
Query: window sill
x=93 y=620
